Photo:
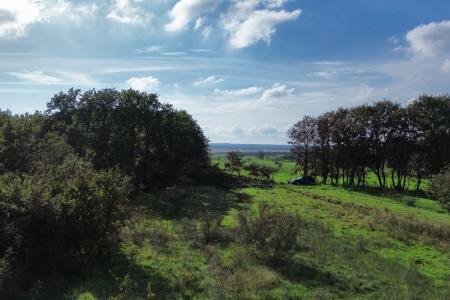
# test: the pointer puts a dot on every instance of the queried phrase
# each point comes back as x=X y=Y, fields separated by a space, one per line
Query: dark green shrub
x=439 y=188
x=47 y=232
x=210 y=230
x=271 y=236
x=260 y=171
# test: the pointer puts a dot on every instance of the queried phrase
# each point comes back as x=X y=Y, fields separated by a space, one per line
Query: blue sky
x=246 y=70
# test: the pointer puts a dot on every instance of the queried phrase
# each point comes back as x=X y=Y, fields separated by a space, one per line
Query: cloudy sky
x=245 y=69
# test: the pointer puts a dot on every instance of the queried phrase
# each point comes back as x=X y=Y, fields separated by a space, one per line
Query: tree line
x=66 y=175
x=392 y=141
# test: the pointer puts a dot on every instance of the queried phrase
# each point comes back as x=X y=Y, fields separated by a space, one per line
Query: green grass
x=353 y=244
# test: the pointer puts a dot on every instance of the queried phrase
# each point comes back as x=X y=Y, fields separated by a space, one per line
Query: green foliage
x=271 y=236
x=392 y=141
x=235 y=162
x=45 y=229
x=210 y=230
x=439 y=188
x=94 y=206
x=262 y=172
x=149 y=141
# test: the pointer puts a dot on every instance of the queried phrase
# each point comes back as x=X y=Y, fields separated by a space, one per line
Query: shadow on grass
x=110 y=277
x=388 y=192
x=117 y=277
x=192 y=201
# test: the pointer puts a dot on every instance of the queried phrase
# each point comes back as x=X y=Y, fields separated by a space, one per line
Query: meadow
x=271 y=240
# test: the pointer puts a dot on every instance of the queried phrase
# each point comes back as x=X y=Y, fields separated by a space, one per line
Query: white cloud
x=149 y=49
x=78 y=78
x=277 y=91
x=253 y=90
x=128 y=12
x=236 y=131
x=17 y=15
x=264 y=133
x=274 y=3
x=199 y=23
x=429 y=39
x=446 y=66
x=185 y=11
x=37 y=77
x=69 y=11
x=206 y=32
x=209 y=80
x=265 y=130
x=247 y=25
x=176 y=53
x=325 y=75
x=365 y=93
x=143 y=83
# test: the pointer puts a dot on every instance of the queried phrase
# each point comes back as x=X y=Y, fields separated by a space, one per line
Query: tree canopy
x=390 y=140
x=66 y=175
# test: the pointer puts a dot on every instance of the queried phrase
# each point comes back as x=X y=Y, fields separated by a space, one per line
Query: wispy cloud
x=175 y=53
x=253 y=90
x=150 y=49
x=209 y=80
x=69 y=11
x=446 y=66
x=78 y=78
x=37 y=77
x=128 y=12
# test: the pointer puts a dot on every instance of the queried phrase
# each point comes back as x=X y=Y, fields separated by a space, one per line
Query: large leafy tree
x=150 y=141
x=430 y=116
x=383 y=137
x=303 y=136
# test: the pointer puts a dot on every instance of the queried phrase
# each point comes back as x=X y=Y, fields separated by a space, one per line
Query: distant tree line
x=66 y=175
x=392 y=141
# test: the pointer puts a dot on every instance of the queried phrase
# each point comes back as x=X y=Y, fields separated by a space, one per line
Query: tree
x=149 y=141
x=262 y=172
x=400 y=148
x=324 y=125
x=430 y=116
x=302 y=137
x=382 y=123
x=235 y=162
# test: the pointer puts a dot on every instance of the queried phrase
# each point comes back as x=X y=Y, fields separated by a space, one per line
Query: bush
x=210 y=230
x=46 y=229
x=439 y=188
x=260 y=171
x=271 y=237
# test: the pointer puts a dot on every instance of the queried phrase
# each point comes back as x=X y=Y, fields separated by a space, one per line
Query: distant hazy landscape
x=227 y=147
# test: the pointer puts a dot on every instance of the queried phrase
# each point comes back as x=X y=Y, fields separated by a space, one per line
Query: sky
x=246 y=70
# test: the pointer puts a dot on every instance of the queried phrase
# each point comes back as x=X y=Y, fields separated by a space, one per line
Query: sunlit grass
x=354 y=244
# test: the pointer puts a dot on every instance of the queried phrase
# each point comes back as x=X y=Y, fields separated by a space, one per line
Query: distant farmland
x=226 y=147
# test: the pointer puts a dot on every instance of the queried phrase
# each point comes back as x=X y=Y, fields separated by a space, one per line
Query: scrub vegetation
x=93 y=207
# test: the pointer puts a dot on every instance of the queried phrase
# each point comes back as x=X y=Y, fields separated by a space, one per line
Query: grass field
x=193 y=243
